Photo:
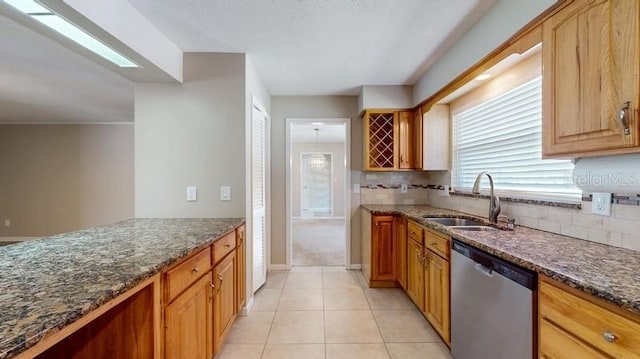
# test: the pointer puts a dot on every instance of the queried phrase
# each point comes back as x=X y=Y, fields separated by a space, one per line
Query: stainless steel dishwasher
x=492 y=306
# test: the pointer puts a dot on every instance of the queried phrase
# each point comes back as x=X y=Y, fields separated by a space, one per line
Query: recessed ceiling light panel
x=483 y=77
x=70 y=31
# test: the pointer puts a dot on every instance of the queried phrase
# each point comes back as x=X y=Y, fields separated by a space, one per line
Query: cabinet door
x=224 y=311
x=410 y=139
x=241 y=288
x=380 y=141
x=401 y=258
x=188 y=323
x=415 y=273
x=437 y=294
x=383 y=252
x=590 y=70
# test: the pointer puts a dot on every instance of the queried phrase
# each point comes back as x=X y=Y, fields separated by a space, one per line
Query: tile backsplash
x=621 y=229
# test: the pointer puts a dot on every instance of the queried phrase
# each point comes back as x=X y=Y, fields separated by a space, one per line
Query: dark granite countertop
x=608 y=272
x=51 y=282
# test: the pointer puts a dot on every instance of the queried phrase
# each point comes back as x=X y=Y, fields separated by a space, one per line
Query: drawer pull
x=433 y=244
x=610 y=337
x=195 y=270
x=227 y=245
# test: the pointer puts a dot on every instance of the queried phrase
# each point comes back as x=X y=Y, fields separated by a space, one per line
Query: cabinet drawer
x=184 y=274
x=563 y=345
x=588 y=322
x=223 y=246
x=414 y=231
x=436 y=243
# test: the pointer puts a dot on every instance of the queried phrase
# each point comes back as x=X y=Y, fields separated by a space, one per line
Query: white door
x=258 y=180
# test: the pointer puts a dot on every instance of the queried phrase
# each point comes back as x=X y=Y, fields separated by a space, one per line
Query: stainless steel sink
x=475 y=228
x=454 y=221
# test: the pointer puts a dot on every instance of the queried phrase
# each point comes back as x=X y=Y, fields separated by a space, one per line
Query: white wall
x=283 y=107
x=497 y=26
x=385 y=97
x=337 y=162
x=192 y=134
x=61 y=178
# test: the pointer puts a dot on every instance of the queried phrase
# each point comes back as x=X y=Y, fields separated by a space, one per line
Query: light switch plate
x=192 y=193
x=225 y=193
x=356 y=188
x=601 y=204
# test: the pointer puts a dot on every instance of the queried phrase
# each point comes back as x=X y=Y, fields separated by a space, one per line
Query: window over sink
x=497 y=127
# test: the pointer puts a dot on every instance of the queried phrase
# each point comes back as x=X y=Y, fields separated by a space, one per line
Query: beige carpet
x=318 y=242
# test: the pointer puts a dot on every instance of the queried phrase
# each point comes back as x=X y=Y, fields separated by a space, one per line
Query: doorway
x=317 y=192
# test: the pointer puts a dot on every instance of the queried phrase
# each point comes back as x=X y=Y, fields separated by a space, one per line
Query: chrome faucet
x=494 y=201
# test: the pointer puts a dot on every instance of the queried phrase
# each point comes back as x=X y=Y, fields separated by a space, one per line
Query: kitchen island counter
x=49 y=283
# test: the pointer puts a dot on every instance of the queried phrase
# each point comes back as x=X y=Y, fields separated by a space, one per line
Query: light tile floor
x=329 y=313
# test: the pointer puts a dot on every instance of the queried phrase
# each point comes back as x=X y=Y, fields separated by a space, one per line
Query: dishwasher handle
x=483 y=269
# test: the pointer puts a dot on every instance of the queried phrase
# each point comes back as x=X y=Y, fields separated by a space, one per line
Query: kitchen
x=169 y=150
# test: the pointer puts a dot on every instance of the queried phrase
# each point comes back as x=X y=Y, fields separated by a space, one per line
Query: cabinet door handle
x=624 y=117
x=610 y=337
x=220 y=278
x=195 y=270
x=212 y=285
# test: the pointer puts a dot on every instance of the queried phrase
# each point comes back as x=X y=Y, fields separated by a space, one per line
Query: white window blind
x=504 y=137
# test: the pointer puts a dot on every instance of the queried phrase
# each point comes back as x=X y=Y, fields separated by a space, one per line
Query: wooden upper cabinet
x=436 y=138
x=591 y=67
x=380 y=141
x=392 y=140
x=410 y=140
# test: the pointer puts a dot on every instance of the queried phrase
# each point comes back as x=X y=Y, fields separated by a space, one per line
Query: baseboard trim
x=247 y=307
x=279 y=267
x=355 y=267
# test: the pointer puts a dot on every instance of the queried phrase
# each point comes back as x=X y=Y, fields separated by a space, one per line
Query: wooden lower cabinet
x=224 y=304
x=436 y=284
x=188 y=323
x=573 y=324
x=415 y=273
x=383 y=252
x=241 y=288
x=401 y=251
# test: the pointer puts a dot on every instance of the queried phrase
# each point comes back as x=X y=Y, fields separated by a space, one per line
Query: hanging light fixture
x=317 y=159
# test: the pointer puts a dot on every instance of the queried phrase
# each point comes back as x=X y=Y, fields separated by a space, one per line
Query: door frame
x=289 y=122
x=332 y=189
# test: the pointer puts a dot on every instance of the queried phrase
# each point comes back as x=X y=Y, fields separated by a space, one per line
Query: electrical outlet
x=192 y=193
x=403 y=188
x=7 y=223
x=601 y=204
x=356 y=188
x=370 y=177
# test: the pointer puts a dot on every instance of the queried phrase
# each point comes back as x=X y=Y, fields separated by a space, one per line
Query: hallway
x=318 y=242
x=328 y=312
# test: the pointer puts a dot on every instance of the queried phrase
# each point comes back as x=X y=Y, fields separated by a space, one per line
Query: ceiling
x=299 y=47
x=322 y=47
x=326 y=133
x=42 y=81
